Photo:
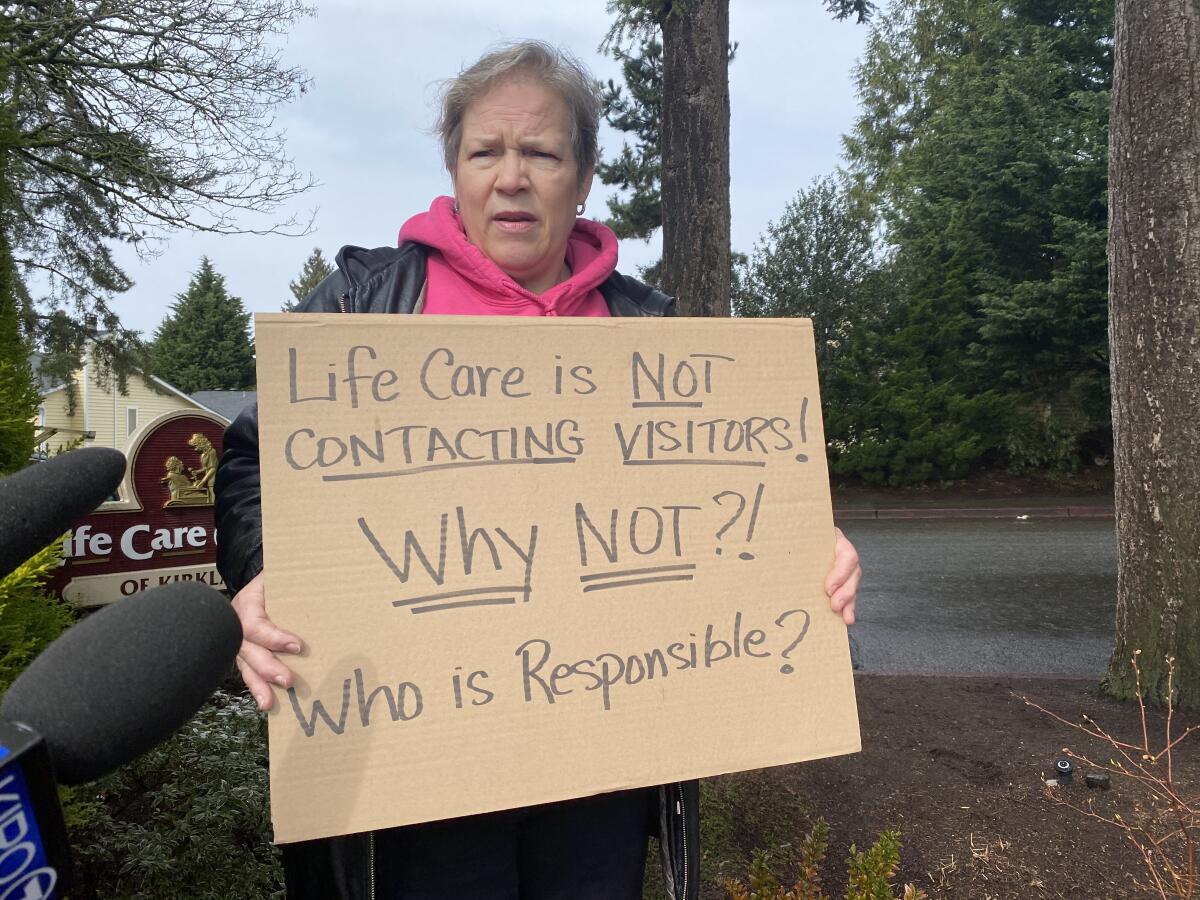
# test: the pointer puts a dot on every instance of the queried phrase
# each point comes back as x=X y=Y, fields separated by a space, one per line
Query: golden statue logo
x=196 y=487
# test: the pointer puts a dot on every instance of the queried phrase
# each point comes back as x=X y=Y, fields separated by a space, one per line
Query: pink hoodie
x=461 y=280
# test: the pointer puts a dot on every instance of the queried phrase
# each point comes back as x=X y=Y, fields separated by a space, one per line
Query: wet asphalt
x=985 y=596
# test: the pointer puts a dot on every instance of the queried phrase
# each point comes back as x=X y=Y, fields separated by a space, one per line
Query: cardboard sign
x=535 y=559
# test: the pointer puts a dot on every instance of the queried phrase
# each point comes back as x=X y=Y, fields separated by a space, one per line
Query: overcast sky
x=363 y=129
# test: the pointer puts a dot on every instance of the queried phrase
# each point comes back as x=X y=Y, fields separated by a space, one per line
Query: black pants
x=588 y=849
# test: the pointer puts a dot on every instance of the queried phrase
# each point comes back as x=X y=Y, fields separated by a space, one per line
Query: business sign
x=161 y=529
x=534 y=559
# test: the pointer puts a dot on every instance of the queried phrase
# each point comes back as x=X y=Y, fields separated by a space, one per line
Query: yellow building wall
x=101 y=408
x=153 y=404
x=54 y=414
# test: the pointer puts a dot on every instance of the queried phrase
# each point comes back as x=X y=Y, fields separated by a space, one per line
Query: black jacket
x=391 y=280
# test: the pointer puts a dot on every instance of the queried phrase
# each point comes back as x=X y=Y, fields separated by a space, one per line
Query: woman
x=519 y=134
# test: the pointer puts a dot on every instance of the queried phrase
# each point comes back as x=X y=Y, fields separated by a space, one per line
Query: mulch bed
x=957 y=764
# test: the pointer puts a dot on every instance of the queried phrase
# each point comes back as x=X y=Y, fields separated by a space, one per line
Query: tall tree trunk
x=695 y=156
x=1154 y=332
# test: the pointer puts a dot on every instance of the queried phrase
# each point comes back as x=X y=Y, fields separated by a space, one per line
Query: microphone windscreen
x=126 y=677
x=43 y=500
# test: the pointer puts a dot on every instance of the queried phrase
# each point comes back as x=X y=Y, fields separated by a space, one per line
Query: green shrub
x=30 y=617
x=190 y=819
x=19 y=397
x=869 y=874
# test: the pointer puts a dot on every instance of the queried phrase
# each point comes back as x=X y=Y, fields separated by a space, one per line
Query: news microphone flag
x=34 y=859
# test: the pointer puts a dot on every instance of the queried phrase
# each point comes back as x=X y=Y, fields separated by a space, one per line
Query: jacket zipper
x=343 y=302
x=684 y=836
x=371 y=863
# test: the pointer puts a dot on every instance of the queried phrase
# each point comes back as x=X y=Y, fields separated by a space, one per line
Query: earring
x=581 y=208
x=456 y=206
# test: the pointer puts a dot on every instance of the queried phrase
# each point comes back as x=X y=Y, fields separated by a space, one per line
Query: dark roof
x=226 y=404
x=46 y=383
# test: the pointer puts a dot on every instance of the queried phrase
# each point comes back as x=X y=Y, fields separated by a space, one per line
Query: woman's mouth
x=514 y=222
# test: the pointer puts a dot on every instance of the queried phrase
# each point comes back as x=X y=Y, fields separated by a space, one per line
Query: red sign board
x=161 y=529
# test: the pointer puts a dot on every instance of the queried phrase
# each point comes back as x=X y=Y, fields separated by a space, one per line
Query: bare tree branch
x=120 y=119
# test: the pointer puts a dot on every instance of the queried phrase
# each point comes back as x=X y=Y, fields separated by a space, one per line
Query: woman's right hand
x=261 y=640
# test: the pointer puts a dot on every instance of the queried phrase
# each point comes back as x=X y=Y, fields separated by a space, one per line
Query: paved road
x=986 y=595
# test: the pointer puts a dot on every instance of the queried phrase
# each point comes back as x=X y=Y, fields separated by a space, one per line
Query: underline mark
x=487 y=601
x=695 y=462
x=626 y=572
x=631 y=583
x=354 y=476
x=467 y=592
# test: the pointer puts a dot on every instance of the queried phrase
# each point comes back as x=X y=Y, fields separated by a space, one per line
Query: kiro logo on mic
x=25 y=873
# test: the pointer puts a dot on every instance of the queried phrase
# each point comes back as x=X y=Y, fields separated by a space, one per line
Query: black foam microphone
x=43 y=500
x=125 y=678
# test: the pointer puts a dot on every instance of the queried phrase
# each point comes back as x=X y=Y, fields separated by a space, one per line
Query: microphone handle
x=35 y=860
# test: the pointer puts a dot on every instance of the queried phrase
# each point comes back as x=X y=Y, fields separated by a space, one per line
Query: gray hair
x=557 y=69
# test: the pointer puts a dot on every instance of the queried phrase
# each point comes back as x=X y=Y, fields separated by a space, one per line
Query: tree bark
x=695 y=156
x=1154 y=333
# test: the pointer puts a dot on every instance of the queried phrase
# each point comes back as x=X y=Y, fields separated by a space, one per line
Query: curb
x=981 y=512
x=980 y=676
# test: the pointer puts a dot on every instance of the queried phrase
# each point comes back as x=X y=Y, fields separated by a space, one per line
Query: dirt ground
x=958 y=765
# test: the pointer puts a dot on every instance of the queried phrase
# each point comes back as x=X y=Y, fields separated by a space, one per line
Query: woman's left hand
x=841 y=584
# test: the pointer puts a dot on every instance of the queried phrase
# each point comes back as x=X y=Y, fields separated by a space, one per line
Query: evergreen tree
x=819 y=261
x=204 y=343
x=638 y=169
x=982 y=144
x=635 y=41
x=813 y=262
x=19 y=396
x=316 y=268
x=694 y=140
x=861 y=10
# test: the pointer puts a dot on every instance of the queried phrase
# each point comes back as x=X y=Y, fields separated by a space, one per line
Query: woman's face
x=516 y=181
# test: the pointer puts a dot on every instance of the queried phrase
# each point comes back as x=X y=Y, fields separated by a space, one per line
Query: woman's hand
x=261 y=640
x=841 y=584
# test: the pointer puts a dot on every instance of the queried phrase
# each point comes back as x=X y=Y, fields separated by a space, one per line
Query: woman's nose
x=511 y=176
